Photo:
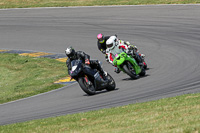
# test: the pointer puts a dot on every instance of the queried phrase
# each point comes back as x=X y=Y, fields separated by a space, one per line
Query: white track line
x=40 y=94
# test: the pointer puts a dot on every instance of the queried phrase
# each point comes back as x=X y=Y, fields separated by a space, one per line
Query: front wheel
x=87 y=86
x=111 y=84
x=143 y=72
x=128 y=68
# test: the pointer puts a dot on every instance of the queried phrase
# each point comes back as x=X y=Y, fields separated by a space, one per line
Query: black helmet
x=70 y=52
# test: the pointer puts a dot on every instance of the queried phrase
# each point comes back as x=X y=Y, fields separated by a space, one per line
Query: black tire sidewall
x=84 y=88
x=126 y=69
x=110 y=88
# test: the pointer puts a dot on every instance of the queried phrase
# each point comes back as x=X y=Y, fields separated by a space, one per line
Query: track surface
x=169 y=35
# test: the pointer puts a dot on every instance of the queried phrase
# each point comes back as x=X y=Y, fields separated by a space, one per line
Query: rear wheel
x=128 y=68
x=87 y=86
x=111 y=84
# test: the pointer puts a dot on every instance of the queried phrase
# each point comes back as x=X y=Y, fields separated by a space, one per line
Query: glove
x=142 y=55
x=127 y=42
x=87 y=62
x=135 y=47
x=129 y=52
x=130 y=47
x=103 y=51
x=106 y=57
x=117 y=70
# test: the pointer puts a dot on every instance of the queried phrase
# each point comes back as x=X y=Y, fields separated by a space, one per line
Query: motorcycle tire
x=128 y=68
x=111 y=84
x=89 y=89
x=143 y=72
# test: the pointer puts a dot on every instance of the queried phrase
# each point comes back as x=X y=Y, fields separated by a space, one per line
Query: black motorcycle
x=90 y=83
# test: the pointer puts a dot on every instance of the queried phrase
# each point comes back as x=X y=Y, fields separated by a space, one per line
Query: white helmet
x=111 y=42
x=70 y=52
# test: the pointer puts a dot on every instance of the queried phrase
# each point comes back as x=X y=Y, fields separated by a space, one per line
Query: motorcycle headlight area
x=74 y=68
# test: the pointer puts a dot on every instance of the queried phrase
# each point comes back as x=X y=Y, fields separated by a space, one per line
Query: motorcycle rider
x=73 y=55
x=116 y=46
x=101 y=42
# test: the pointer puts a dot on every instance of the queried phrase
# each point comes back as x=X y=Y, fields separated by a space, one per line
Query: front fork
x=88 y=82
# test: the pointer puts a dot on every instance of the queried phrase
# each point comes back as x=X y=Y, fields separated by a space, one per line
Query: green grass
x=23 y=76
x=67 y=3
x=171 y=115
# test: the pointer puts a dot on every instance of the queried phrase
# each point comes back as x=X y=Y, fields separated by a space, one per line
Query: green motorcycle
x=128 y=64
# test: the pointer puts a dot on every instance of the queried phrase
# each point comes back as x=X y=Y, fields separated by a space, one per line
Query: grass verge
x=23 y=76
x=178 y=114
x=67 y=3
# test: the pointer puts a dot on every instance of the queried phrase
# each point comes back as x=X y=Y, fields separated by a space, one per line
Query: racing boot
x=102 y=72
x=139 y=60
x=104 y=76
x=99 y=81
x=117 y=70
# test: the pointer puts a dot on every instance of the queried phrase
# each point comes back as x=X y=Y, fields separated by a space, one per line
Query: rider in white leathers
x=116 y=46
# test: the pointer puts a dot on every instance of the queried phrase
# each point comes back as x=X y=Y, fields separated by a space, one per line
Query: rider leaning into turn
x=101 y=42
x=80 y=55
x=116 y=46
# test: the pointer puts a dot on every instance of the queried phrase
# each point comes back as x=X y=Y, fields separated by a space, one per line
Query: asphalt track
x=169 y=36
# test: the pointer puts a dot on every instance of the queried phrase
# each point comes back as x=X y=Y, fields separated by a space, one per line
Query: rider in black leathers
x=101 y=42
x=94 y=64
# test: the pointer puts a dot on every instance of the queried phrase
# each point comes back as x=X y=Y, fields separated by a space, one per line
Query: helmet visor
x=101 y=40
x=109 y=45
x=70 y=53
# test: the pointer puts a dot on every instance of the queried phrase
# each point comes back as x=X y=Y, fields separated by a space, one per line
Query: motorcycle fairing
x=123 y=57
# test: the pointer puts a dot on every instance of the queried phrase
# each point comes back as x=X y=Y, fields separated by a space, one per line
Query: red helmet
x=100 y=38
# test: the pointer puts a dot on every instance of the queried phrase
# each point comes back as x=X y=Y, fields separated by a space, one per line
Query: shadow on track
x=101 y=92
x=128 y=79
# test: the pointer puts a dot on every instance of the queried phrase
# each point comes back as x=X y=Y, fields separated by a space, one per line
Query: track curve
x=169 y=36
